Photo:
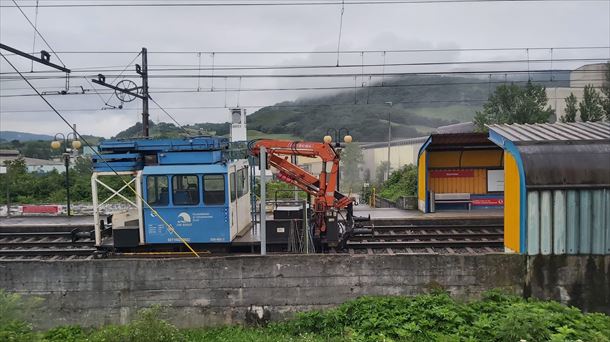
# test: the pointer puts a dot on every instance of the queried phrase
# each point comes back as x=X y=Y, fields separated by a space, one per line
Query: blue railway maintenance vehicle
x=172 y=191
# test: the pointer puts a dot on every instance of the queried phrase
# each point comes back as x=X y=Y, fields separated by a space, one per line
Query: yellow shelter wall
x=471 y=185
x=444 y=159
x=421 y=177
x=512 y=201
x=482 y=158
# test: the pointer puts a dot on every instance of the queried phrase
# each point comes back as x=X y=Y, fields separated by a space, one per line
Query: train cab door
x=240 y=206
x=233 y=201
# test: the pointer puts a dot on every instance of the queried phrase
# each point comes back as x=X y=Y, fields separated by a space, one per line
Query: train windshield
x=157 y=190
x=213 y=189
x=186 y=189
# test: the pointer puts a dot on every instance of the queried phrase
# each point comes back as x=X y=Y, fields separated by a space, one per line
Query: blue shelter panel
x=607 y=196
x=559 y=222
x=598 y=228
x=533 y=223
x=572 y=222
x=585 y=222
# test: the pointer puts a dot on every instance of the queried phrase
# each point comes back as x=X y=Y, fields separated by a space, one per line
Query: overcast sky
x=281 y=28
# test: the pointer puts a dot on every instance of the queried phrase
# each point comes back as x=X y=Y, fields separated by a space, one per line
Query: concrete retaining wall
x=219 y=290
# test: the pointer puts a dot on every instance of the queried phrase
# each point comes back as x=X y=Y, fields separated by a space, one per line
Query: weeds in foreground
x=432 y=317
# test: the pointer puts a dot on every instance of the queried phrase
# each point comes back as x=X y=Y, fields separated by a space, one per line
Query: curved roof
x=555 y=132
x=566 y=155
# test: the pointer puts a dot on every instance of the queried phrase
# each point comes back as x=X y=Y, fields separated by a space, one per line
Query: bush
x=14 y=311
x=497 y=316
x=402 y=182
x=438 y=317
x=147 y=327
x=69 y=333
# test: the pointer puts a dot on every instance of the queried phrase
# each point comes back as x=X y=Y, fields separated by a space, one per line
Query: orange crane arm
x=323 y=187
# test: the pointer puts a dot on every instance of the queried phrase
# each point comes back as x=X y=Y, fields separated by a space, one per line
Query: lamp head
x=55 y=144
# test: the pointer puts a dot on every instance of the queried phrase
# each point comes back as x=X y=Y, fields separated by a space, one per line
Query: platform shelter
x=460 y=171
x=557 y=197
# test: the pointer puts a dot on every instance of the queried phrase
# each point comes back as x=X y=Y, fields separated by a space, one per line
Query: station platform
x=47 y=221
x=395 y=213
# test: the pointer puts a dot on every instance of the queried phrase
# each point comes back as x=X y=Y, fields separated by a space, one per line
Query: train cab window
x=185 y=189
x=213 y=189
x=242 y=182
x=233 y=187
x=157 y=190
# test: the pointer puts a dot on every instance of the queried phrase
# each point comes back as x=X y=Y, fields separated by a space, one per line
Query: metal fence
x=403 y=202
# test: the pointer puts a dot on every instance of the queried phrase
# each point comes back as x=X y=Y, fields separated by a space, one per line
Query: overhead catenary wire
x=140 y=198
x=37 y=31
x=318 y=66
x=296 y=105
x=273 y=52
x=378 y=85
x=35 y=35
x=268 y=3
x=169 y=115
x=119 y=75
x=192 y=90
x=340 y=30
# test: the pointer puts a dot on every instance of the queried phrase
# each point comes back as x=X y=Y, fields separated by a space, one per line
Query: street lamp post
x=347 y=138
x=389 y=137
x=75 y=144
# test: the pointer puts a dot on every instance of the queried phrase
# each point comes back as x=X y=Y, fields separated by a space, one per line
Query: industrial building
x=590 y=74
x=32 y=164
x=402 y=152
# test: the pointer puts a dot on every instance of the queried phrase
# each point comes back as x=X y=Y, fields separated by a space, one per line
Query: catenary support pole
x=263 y=171
x=67 y=164
x=145 y=113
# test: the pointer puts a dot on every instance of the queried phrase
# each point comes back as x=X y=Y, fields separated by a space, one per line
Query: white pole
x=140 y=205
x=96 y=213
x=263 y=170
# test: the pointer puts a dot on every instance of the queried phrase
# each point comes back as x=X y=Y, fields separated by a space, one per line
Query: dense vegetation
x=402 y=182
x=49 y=187
x=431 y=317
x=515 y=104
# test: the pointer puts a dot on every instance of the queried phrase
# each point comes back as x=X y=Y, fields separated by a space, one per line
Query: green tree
x=571 y=109
x=606 y=91
x=381 y=172
x=591 y=105
x=513 y=104
x=351 y=159
x=83 y=165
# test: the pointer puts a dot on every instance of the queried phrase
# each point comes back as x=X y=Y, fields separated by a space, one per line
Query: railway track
x=471 y=238
x=46 y=243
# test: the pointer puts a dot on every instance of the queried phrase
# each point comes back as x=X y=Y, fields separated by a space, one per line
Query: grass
x=430 y=317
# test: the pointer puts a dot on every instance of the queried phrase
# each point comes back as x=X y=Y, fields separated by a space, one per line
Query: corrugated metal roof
x=555 y=132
